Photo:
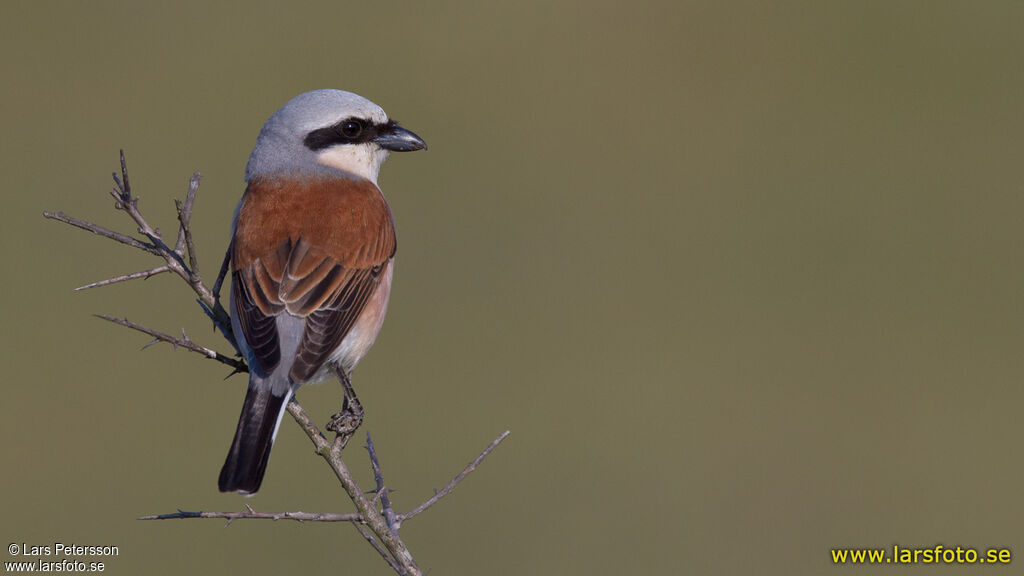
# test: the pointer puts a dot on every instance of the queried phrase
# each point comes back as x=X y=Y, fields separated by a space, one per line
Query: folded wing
x=324 y=270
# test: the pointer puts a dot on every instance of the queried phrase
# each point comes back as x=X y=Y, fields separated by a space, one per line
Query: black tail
x=247 y=460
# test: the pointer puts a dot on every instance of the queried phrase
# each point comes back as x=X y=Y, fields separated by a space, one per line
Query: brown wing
x=314 y=250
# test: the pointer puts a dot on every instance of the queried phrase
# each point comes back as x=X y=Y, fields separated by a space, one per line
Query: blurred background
x=743 y=281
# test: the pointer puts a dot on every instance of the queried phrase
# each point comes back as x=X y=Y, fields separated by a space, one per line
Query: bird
x=311 y=258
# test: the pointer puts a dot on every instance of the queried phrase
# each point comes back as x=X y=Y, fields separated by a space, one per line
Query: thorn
x=249 y=508
x=150 y=343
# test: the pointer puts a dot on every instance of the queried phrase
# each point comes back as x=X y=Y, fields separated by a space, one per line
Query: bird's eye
x=351 y=128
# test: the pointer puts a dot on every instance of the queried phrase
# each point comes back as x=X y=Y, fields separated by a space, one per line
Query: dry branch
x=249 y=513
x=455 y=481
x=184 y=342
x=381 y=490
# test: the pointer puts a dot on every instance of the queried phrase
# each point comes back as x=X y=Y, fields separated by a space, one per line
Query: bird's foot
x=349 y=419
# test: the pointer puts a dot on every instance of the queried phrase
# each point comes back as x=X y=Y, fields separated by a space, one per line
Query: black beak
x=399 y=139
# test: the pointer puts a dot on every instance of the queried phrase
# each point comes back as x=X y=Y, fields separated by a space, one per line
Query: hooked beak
x=399 y=139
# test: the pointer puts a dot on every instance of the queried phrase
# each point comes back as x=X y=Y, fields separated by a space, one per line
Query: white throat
x=363 y=160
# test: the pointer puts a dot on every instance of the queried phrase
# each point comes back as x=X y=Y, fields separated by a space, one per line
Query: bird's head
x=325 y=131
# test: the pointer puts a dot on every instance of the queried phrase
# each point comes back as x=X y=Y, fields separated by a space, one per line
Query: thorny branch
x=381 y=490
x=375 y=518
x=454 y=482
x=334 y=517
x=250 y=513
x=174 y=259
x=184 y=342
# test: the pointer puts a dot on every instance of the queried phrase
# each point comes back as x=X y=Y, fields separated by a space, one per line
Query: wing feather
x=258 y=326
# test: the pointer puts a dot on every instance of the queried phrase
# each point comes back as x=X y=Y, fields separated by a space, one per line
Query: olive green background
x=744 y=281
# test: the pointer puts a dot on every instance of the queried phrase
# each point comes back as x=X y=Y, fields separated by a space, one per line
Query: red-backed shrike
x=312 y=248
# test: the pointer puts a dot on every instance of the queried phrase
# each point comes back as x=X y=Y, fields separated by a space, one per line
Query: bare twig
x=382 y=490
x=101 y=231
x=249 y=513
x=455 y=481
x=324 y=448
x=184 y=212
x=184 y=342
x=184 y=241
x=122 y=194
x=145 y=274
x=380 y=549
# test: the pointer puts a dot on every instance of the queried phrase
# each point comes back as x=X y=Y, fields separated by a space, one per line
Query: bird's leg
x=346 y=422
